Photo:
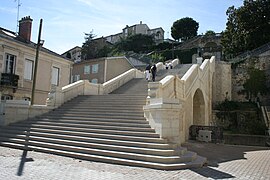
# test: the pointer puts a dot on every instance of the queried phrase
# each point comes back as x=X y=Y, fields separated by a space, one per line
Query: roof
x=71 y=49
x=159 y=28
x=12 y=36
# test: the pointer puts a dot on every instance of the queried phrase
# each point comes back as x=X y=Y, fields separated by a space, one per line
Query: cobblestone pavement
x=224 y=162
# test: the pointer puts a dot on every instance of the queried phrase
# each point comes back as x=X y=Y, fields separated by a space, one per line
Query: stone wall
x=222 y=82
x=12 y=111
x=240 y=75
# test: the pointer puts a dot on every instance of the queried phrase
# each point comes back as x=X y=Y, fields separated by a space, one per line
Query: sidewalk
x=224 y=162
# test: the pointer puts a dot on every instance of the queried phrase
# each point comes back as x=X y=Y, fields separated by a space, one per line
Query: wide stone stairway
x=105 y=128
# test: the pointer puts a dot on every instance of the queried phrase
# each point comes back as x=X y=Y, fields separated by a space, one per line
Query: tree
x=256 y=83
x=88 y=46
x=184 y=28
x=68 y=55
x=210 y=33
x=247 y=27
x=95 y=48
x=137 y=43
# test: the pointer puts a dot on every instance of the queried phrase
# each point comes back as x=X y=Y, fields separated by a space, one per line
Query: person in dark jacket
x=147 y=72
x=154 y=71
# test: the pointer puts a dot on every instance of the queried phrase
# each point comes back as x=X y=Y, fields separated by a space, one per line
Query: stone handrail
x=167 y=99
x=118 y=81
x=265 y=116
x=191 y=75
x=166 y=87
x=163 y=88
x=175 y=62
x=83 y=87
x=159 y=66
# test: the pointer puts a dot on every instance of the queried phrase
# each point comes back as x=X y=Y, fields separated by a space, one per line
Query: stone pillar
x=55 y=98
x=59 y=97
x=164 y=116
x=153 y=91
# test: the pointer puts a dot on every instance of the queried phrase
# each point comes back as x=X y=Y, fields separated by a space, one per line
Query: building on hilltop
x=100 y=70
x=157 y=33
x=17 y=59
x=206 y=45
x=96 y=48
x=74 y=54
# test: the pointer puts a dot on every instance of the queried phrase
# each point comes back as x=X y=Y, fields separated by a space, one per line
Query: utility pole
x=36 y=63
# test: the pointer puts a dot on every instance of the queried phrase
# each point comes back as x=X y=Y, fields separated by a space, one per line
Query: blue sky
x=66 y=21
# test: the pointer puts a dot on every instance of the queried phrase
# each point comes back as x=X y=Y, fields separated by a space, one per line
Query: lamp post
x=39 y=43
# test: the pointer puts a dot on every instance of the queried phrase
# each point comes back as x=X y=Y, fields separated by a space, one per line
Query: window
x=55 y=76
x=76 y=78
x=28 y=69
x=87 y=69
x=95 y=68
x=6 y=97
x=95 y=81
x=10 y=64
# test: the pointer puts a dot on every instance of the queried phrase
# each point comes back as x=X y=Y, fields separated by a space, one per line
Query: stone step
x=97 y=114
x=78 y=116
x=87 y=126
x=85 y=122
x=91 y=143
x=95 y=135
x=128 y=102
x=111 y=96
x=198 y=162
x=107 y=128
x=88 y=119
x=63 y=145
x=86 y=110
x=111 y=140
x=92 y=130
x=105 y=106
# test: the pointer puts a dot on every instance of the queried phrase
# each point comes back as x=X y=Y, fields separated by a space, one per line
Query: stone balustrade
x=17 y=110
x=170 y=101
x=84 y=87
x=161 y=66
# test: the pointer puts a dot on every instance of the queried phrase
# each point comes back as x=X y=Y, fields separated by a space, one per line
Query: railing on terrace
x=254 y=52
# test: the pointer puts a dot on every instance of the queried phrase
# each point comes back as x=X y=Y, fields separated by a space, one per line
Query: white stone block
x=204 y=135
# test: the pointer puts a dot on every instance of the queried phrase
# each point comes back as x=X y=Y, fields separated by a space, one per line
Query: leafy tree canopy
x=210 y=33
x=94 y=48
x=247 y=27
x=184 y=28
x=256 y=83
x=137 y=43
x=88 y=46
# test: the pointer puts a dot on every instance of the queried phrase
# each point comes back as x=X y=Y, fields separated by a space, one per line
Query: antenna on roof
x=18 y=13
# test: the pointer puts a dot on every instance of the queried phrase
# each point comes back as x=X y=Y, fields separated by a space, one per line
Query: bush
x=240 y=118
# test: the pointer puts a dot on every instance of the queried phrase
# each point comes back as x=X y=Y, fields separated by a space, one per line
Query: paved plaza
x=224 y=162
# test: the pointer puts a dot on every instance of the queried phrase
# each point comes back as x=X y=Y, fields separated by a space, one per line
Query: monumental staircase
x=105 y=128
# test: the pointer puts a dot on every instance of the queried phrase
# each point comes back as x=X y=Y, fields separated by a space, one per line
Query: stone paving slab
x=224 y=162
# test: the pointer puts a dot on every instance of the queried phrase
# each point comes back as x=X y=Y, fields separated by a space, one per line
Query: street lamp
x=39 y=43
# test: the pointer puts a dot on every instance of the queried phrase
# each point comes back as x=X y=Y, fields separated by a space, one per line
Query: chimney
x=25 y=28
